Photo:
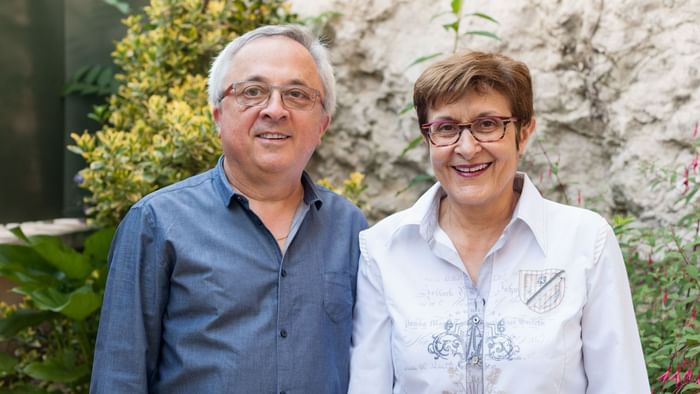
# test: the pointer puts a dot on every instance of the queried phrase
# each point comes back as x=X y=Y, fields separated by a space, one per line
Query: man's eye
x=447 y=128
x=297 y=94
x=253 y=91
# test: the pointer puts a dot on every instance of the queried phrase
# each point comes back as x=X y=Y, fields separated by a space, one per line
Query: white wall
x=616 y=82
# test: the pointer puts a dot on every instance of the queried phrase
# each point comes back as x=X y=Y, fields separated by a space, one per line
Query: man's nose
x=274 y=108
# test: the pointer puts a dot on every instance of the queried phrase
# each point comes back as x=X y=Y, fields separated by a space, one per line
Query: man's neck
x=273 y=197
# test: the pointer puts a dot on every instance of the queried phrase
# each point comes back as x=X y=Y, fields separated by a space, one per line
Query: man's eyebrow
x=259 y=78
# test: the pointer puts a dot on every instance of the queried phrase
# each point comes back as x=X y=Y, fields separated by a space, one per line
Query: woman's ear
x=525 y=132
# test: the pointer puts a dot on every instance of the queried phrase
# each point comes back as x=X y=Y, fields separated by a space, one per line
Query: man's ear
x=216 y=114
x=325 y=122
x=525 y=132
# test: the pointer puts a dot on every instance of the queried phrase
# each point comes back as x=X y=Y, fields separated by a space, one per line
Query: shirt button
x=476 y=319
x=283 y=273
x=475 y=360
x=283 y=333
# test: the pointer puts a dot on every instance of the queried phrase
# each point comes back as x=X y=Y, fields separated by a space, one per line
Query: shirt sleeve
x=128 y=338
x=371 y=365
x=612 y=351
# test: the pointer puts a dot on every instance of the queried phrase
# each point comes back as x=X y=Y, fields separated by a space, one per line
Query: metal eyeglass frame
x=233 y=88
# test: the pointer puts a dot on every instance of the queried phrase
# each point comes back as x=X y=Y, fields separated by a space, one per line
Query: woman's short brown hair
x=448 y=80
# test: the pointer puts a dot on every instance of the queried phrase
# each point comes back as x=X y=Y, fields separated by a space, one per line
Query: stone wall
x=616 y=85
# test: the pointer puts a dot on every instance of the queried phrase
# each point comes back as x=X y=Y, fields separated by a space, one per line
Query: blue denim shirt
x=200 y=298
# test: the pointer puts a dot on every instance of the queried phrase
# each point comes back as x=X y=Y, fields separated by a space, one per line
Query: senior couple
x=249 y=278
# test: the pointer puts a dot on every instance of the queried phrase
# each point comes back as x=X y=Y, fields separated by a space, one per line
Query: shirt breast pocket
x=337 y=296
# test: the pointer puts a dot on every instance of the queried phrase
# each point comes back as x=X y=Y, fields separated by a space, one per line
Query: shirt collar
x=228 y=194
x=529 y=209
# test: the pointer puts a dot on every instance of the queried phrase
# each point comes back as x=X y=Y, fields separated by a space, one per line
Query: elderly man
x=240 y=279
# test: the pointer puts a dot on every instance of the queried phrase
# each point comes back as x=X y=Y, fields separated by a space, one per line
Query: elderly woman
x=483 y=286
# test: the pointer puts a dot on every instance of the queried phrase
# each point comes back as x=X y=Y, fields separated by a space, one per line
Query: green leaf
x=411 y=145
x=21 y=319
x=105 y=77
x=456 y=7
x=61 y=256
x=77 y=305
x=423 y=59
x=454 y=26
x=691 y=388
x=483 y=16
x=439 y=14
x=418 y=179
x=482 y=33
x=692 y=271
x=26 y=257
x=24 y=388
x=406 y=108
x=17 y=231
x=7 y=363
x=59 y=369
x=96 y=246
x=92 y=74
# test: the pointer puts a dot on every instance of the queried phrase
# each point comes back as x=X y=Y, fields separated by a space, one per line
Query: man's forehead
x=274 y=59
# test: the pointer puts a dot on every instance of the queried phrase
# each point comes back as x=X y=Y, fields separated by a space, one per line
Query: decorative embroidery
x=542 y=290
x=500 y=346
x=464 y=340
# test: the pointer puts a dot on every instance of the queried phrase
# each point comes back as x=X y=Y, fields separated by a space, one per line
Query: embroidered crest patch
x=542 y=290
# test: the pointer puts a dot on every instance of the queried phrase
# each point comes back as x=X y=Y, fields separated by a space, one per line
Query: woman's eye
x=447 y=128
x=486 y=124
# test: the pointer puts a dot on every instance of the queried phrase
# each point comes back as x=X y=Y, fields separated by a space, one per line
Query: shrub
x=662 y=263
x=51 y=333
x=157 y=128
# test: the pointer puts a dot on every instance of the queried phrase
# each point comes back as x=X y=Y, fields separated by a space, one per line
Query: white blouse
x=551 y=311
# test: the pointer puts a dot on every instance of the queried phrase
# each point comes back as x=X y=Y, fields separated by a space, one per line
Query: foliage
x=662 y=263
x=52 y=331
x=157 y=128
x=352 y=188
x=92 y=80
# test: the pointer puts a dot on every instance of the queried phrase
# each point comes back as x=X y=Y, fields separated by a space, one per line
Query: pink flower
x=685 y=180
x=579 y=198
x=664 y=376
x=694 y=314
x=665 y=299
x=676 y=376
x=688 y=375
x=694 y=164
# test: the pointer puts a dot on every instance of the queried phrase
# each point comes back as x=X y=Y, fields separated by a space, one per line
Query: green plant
x=663 y=266
x=157 y=128
x=353 y=188
x=51 y=333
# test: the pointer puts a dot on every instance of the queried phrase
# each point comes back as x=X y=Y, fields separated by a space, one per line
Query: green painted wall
x=43 y=43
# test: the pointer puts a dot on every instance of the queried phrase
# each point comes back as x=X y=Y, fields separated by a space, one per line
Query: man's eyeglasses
x=254 y=93
x=483 y=129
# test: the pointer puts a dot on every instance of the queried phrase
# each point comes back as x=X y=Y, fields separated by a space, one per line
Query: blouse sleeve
x=371 y=365
x=612 y=351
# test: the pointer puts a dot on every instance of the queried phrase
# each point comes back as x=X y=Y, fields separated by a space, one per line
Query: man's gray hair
x=318 y=51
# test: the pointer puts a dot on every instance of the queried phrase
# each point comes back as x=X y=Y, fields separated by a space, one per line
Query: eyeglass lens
x=293 y=96
x=483 y=129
